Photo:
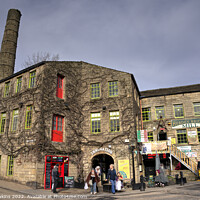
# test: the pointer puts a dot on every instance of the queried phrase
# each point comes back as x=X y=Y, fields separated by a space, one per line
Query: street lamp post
x=132 y=147
x=133 y=163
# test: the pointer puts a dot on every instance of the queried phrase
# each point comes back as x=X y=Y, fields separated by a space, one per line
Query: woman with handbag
x=119 y=181
x=92 y=181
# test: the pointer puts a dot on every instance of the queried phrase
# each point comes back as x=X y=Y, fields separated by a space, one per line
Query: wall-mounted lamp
x=20 y=104
x=109 y=146
x=126 y=140
x=104 y=108
x=140 y=167
x=67 y=106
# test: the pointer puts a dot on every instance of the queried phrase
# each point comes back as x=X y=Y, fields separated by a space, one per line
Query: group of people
x=115 y=179
x=93 y=179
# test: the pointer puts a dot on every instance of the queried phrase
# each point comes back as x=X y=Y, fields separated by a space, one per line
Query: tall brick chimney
x=9 y=44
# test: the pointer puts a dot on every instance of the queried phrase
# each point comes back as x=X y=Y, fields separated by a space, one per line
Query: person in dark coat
x=55 y=176
x=112 y=176
x=92 y=180
x=161 y=179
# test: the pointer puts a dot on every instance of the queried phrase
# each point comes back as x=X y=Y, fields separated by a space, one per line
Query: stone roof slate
x=170 y=91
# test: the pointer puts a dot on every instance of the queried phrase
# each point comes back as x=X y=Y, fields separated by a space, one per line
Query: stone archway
x=104 y=161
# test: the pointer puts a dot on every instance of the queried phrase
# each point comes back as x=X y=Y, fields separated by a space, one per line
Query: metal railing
x=184 y=159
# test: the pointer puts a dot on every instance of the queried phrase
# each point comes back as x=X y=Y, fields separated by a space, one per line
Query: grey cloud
x=156 y=40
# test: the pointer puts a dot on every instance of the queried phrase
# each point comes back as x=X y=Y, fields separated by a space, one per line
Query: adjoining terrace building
x=171 y=117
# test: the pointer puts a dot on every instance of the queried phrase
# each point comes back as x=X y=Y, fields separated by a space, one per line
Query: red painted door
x=59 y=92
x=57 y=133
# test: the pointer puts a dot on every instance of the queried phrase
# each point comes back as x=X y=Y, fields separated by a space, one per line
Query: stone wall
x=19 y=141
x=24 y=170
x=76 y=108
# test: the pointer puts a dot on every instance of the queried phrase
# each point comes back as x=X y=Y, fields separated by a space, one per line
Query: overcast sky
x=158 y=41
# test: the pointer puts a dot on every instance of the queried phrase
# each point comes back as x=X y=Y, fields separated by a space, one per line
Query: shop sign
x=142 y=136
x=69 y=182
x=124 y=168
x=152 y=156
x=102 y=149
x=150 y=147
x=191 y=154
x=169 y=141
x=192 y=137
x=173 y=140
x=146 y=148
x=184 y=148
x=159 y=146
x=185 y=123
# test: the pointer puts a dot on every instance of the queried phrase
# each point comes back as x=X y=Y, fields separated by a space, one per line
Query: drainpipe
x=141 y=114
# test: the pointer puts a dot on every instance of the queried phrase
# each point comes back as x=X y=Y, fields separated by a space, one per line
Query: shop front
x=63 y=170
x=149 y=163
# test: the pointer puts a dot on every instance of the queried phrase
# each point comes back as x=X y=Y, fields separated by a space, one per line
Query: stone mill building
x=83 y=111
x=80 y=115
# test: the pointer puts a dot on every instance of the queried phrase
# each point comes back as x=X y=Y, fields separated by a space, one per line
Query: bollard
x=176 y=177
x=142 y=187
x=181 y=179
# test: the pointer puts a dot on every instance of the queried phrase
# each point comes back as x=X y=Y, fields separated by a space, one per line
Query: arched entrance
x=104 y=161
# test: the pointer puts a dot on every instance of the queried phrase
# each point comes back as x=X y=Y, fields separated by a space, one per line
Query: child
x=119 y=181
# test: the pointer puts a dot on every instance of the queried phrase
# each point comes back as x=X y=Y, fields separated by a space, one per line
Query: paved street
x=152 y=196
x=9 y=190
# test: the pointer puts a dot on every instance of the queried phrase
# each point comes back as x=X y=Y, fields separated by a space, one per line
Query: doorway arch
x=104 y=161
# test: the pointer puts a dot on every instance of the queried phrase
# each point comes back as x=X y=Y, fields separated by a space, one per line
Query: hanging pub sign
x=185 y=123
x=192 y=137
x=142 y=136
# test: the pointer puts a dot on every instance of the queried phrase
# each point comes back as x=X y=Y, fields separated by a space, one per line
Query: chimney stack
x=9 y=44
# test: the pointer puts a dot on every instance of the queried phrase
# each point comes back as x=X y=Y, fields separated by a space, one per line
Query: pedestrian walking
x=98 y=171
x=92 y=181
x=55 y=176
x=112 y=177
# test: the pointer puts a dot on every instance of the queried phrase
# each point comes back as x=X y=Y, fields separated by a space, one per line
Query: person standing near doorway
x=92 y=181
x=98 y=171
x=112 y=177
x=55 y=176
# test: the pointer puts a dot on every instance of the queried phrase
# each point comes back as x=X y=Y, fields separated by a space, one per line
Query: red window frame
x=57 y=128
x=59 y=89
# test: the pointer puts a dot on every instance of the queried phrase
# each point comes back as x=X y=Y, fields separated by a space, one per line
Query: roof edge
x=172 y=91
x=23 y=71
